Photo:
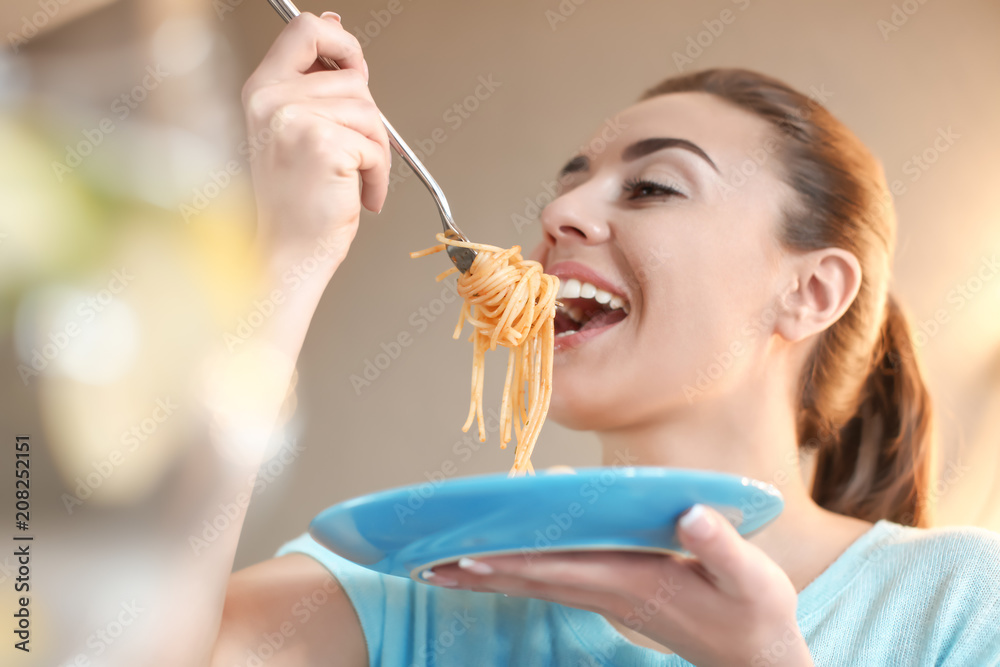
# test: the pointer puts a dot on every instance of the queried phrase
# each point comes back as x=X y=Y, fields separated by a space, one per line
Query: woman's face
x=653 y=212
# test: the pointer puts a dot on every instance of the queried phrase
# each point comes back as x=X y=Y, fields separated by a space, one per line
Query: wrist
x=298 y=273
x=279 y=299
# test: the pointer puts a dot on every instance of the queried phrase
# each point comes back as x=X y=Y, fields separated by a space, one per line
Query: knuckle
x=306 y=22
x=339 y=156
x=246 y=91
x=367 y=107
x=353 y=45
x=250 y=88
x=354 y=79
x=283 y=115
x=256 y=102
x=311 y=25
x=367 y=110
x=318 y=134
x=308 y=26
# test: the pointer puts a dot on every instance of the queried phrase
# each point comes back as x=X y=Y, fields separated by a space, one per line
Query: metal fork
x=461 y=257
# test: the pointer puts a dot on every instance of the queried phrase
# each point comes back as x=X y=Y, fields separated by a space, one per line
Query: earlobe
x=823 y=288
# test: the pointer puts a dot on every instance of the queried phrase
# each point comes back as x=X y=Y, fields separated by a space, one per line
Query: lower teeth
x=565 y=333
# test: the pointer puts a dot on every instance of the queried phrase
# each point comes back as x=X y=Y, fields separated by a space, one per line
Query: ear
x=822 y=287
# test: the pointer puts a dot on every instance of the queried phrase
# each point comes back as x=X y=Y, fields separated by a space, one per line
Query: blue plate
x=406 y=530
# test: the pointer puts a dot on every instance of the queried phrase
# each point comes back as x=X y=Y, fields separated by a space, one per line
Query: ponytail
x=880 y=464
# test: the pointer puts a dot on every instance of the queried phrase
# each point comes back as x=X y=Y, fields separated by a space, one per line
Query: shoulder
x=956 y=567
x=943 y=582
x=955 y=555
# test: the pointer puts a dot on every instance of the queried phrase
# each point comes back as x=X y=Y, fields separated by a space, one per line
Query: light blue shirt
x=897 y=596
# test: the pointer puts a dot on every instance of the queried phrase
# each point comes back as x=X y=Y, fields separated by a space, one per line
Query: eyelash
x=634 y=183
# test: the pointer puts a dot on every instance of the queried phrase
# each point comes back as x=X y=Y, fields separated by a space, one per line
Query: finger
x=617 y=582
x=374 y=188
x=373 y=170
x=348 y=153
x=361 y=116
x=346 y=127
x=358 y=115
x=730 y=562
x=263 y=102
x=515 y=586
x=303 y=40
x=340 y=97
x=321 y=85
x=596 y=571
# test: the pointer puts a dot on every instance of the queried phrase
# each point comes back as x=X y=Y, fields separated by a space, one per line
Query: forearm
x=244 y=387
x=328 y=140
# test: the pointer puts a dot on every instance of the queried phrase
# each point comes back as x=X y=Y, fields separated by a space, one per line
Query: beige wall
x=558 y=81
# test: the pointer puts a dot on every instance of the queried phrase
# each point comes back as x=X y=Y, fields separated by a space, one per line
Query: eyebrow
x=641 y=149
x=577 y=164
x=647 y=146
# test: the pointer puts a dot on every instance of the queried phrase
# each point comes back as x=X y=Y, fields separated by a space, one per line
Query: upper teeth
x=575 y=289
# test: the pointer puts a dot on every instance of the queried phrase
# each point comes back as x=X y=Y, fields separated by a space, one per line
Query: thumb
x=730 y=562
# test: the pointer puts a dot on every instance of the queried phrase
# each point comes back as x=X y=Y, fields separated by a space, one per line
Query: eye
x=640 y=188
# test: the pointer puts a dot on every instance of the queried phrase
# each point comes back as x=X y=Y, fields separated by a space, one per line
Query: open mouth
x=587 y=308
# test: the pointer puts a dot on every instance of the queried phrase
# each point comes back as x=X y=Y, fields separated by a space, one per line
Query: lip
x=579 y=338
x=569 y=269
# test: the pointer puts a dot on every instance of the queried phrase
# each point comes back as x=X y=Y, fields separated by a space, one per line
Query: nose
x=570 y=219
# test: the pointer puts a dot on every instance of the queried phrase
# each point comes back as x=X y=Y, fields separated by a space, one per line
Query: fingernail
x=476 y=566
x=330 y=15
x=367 y=76
x=438 y=580
x=696 y=522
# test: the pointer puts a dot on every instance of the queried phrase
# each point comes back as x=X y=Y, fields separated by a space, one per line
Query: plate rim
x=468 y=483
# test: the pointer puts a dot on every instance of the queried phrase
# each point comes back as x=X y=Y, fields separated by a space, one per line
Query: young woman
x=741 y=223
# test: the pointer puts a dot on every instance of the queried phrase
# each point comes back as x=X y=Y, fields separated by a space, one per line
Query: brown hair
x=865 y=408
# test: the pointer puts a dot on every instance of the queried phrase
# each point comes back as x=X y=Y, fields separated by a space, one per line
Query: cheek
x=699 y=322
x=705 y=342
x=679 y=352
x=539 y=253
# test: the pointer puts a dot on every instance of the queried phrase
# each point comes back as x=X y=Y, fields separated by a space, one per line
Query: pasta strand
x=510 y=302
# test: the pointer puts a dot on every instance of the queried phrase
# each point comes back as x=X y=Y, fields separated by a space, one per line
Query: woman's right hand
x=315 y=132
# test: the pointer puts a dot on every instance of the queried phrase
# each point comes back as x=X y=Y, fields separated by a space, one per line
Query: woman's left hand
x=727 y=604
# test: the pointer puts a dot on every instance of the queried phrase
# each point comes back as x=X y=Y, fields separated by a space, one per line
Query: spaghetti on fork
x=509 y=301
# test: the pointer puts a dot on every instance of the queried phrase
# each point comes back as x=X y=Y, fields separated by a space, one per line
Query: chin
x=590 y=404
x=579 y=413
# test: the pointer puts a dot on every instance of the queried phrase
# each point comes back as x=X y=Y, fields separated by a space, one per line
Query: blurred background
x=126 y=203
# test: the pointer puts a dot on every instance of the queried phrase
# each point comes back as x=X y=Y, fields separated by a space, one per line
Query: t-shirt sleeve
x=380 y=600
x=407 y=623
